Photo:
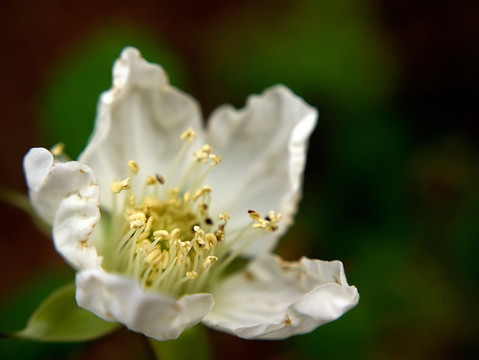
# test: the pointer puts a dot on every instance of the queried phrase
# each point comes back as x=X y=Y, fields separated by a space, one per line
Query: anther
x=203 y=207
x=272 y=218
x=58 y=149
x=133 y=165
x=118 y=186
x=149 y=225
x=220 y=233
x=154 y=256
x=189 y=135
x=200 y=192
x=161 y=235
x=210 y=260
x=164 y=258
x=173 y=192
x=151 y=180
x=191 y=275
x=224 y=216
x=211 y=241
x=254 y=215
x=137 y=220
x=194 y=227
x=132 y=200
x=203 y=154
x=199 y=244
x=215 y=159
x=160 y=178
x=175 y=234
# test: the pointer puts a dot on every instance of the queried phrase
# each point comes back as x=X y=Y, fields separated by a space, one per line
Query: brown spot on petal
x=287 y=266
x=249 y=275
x=287 y=321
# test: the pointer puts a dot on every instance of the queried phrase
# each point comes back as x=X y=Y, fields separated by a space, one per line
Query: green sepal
x=192 y=344
x=60 y=319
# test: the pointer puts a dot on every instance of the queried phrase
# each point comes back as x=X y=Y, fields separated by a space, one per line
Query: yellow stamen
x=215 y=159
x=211 y=241
x=118 y=186
x=191 y=275
x=203 y=154
x=210 y=260
x=151 y=180
x=58 y=149
x=137 y=220
x=189 y=135
x=224 y=216
x=254 y=215
x=133 y=165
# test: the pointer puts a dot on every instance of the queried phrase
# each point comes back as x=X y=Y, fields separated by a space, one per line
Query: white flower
x=151 y=215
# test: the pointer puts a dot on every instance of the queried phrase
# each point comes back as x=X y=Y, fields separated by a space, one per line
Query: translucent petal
x=263 y=147
x=120 y=299
x=141 y=118
x=274 y=299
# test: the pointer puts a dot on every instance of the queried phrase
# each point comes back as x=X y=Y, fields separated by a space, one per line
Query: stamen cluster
x=167 y=238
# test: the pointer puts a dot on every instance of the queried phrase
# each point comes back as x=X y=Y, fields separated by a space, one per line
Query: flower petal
x=67 y=196
x=263 y=147
x=120 y=299
x=141 y=118
x=274 y=299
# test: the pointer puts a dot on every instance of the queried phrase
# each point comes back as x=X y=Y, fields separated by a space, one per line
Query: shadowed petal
x=120 y=299
x=67 y=196
x=274 y=299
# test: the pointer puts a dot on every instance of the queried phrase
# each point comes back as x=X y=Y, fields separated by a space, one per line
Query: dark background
x=391 y=186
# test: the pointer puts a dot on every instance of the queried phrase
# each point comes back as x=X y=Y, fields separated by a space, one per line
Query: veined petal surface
x=264 y=148
x=120 y=299
x=274 y=299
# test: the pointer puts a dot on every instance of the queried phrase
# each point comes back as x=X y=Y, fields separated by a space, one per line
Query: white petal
x=141 y=118
x=38 y=164
x=273 y=299
x=263 y=147
x=119 y=299
x=67 y=196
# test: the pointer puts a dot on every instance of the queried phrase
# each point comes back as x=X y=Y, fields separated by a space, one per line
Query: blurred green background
x=391 y=186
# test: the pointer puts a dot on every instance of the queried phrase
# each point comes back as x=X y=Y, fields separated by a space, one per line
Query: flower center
x=166 y=237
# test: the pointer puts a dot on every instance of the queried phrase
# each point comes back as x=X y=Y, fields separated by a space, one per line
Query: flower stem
x=20 y=201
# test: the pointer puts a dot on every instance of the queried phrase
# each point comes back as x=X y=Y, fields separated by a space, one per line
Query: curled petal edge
x=273 y=299
x=116 y=298
x=67 y=196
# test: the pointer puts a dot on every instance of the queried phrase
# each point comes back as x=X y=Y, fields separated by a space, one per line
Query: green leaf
x=59 y=318
x=192 y=344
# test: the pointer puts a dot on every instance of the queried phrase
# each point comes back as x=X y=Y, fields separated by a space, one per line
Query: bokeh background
x=391 y=186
